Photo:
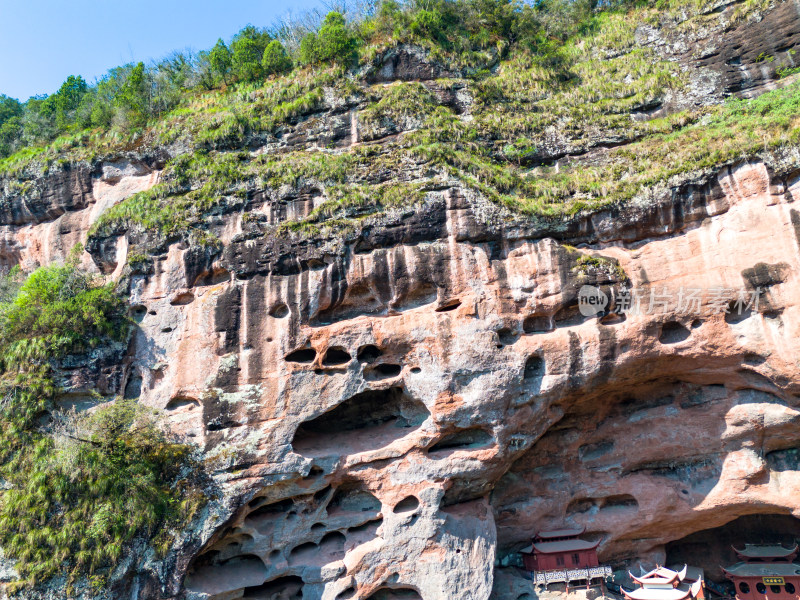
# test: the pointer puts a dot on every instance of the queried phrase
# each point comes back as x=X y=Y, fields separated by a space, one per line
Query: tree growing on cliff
x=247 y=52
x=333 y=43
x=275 y=59
x=134 y=95
x=220 y=60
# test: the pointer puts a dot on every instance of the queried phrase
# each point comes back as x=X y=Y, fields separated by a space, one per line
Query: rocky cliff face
x=392 y=410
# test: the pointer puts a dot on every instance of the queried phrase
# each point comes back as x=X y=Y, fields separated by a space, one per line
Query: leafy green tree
x=247 y=51
x=275 y=59
x=308 y=49
x=335 y=42
x=9 y=108
x=220 y=60
x=133 y=96
x=64 y=102
x=10 y=124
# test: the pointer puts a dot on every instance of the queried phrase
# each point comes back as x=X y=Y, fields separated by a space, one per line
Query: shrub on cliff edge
x=82 y=485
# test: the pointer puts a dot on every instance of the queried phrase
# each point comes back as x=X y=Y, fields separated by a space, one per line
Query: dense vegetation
x=79 y=485
x=130 y=96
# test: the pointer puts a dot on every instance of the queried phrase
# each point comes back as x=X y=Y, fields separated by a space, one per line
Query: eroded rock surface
x=393 y=411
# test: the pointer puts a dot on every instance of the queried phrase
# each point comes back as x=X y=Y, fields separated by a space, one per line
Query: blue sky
x=42 y=42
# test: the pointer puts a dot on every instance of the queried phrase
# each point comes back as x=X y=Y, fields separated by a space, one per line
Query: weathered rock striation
x=391 y=411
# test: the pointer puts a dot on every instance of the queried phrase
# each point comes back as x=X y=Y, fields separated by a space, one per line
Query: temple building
x=765 y=572
x=560 y=556
x=665 y=584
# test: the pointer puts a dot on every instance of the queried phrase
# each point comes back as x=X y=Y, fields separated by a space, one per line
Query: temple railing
x=568 y=575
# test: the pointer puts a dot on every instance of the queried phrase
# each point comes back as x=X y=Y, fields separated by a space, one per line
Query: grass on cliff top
x=84 y=485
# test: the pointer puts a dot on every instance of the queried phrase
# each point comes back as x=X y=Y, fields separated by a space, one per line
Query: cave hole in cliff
x=358 y=299
x=314 y=264
x=538 y=324
x=368 y=353
x=507 y=335
x=182 y=299
x=138 y=312
x=279 y=311
x=465 y=439
x=331 y=546
x=263 y=518
x=367 y=421
x=407 y=504
x=243 y=571
x=336 y=355
x=712 y=548
x=615 y=503
x=398 y=593
x=673 y=332
x=382 y=371
x=350 y=499
x=737 y=312
x=364 y=532
x=133 y=387
x=182 y=403
x=304 y=553
x=534 y=368
x=449 y=305
x=303 y=356
x=212 y=277
x=289 y=587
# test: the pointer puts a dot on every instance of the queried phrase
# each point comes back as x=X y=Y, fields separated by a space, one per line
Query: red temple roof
x=559 y=533
x=563 y=546
x=660 y=576
x=743 y=569
x=766 y=551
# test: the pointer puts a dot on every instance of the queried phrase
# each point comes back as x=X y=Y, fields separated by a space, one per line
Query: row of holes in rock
x=339 y=356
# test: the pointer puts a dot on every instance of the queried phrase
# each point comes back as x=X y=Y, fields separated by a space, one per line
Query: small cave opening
x=737 y=312
x=212 y=277
x=367 y=421
x=289 y=587
x=382 y=371
x=138 y=312
x=408 y=504
x=538 y=324
x=534 y=367
x=449 y=305
x=303 y=356
x=465 y=439
x=304 y=553
x=182 y=403
x=182 y=299
x=350 y=499
x=368 y=353
x=336 y=355
x=712 y=549
x=332 y=545
x=279 y=311
x=673 y=332
x=507 y=336
x=263 y=518
x=242 y=571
